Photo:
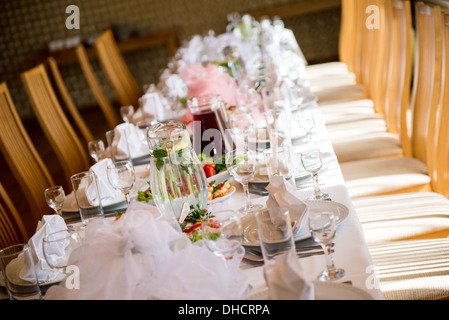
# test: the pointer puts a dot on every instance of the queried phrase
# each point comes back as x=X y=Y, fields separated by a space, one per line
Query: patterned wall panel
x=27 y=26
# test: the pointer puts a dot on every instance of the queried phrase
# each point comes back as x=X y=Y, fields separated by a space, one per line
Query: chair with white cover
x=415 y=172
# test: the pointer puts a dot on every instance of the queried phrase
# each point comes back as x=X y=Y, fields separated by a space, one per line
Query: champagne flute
x=323 y=227
x=241 y=166
x=58 y=246
x=55 y=197
x=122 y=176
x=312 y=162
x=127 y=112
x=96 y=149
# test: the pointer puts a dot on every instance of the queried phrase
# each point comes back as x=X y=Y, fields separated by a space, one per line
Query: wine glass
x=246 y=97
x=55 y=197
x=306 y=121
x=312 y=161
x=58 y=246
x=323 y=227
x=96 y=149
x=122 y=176
x=242 y=126
x=241 y=166
x=222 y=233
x=127 y=112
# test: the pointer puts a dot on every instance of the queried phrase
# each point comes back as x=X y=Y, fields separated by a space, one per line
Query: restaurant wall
x=28 y=26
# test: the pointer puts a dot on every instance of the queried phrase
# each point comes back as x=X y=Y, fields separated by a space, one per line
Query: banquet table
x=351 y=252
x=350 y=249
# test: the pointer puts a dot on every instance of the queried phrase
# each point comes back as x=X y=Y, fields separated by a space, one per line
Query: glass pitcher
x=209 y=126
x=176 y=174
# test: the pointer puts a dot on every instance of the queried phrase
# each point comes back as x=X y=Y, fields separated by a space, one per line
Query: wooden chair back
x=116 y=70
x=22 y=157
x=400 y=76
x=67 y=99
x=442 y=152
x=427 y=86
x=12 y=229
x=104 y=103
x=56 y=126
x=346 y=48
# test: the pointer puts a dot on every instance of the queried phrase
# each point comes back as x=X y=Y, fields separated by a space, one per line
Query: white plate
x=251 y=238
x=220 y=199
x=13 y=269
x=219 y=177
x=324 y=291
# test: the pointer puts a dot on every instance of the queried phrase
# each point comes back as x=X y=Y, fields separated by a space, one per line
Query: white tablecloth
x=351 y=252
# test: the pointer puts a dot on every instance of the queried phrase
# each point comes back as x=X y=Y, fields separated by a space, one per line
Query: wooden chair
x=416 y=173
x=70 y=105
x=398 y=98
x=116 y=69
x=102 y=100
x=22 y=157
x=12 y=229
x=54 y=122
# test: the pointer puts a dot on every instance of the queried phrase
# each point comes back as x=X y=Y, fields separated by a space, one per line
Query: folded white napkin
x=285 y=281
x=108 y=193
x=48 y=224
x=142 y=256
x=128 y=136
x=282 y=194
x=152 y=105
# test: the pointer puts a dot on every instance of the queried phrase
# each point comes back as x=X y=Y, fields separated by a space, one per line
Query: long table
x=351 y=252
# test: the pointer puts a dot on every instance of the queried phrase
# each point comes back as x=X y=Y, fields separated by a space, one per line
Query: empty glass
x=87 y=196
x=278 y=162
x=312 y=162
x=55 y=197
x=242 y=126
x=58 y=246
x=96 y=149
x=118 y=145
x=122 y=176
x=19 y=273
x=127 y=112
x=223 y=233
x=241 y=166
x=276 y=238
x=323 y=227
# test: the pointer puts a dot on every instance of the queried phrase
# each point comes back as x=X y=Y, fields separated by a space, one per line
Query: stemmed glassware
x=122 y=176
x=241 y=166
x=242 y=126
x=127 y=112
x=312 y=162
x=55 y=197
x=246 y=97
x=306 y=121
x=96 y=149
x=223 y=233
x=323 y=227
x=58 y=246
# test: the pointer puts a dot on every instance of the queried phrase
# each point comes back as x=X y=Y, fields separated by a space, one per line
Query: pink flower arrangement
x=206 y=80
